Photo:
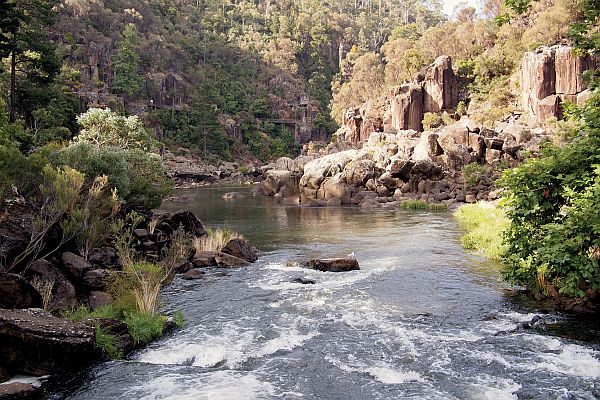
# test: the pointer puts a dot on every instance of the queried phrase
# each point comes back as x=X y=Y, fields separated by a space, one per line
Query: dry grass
x=215 y=239
x=45 y=290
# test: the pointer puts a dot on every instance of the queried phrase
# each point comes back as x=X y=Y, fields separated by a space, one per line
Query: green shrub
x=144 y=328
x=138 y=177
x=432 y=120
x=485 y=225
x=472 y=174
x=552 y=202
x=179 y=319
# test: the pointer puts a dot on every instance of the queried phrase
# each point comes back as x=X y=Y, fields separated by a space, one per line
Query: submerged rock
x=193 y=274
x=38 y=343
x=333 y=264
x=304 y=281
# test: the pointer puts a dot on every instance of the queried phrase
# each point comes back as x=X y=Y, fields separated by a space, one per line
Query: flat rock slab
x=19 y=391
x=38 y=343
x=333 y=264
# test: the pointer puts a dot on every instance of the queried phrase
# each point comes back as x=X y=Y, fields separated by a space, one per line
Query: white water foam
x=382 y=372
x=572 y=360
x=487 y=387
x=232 y=345
x=220 y=385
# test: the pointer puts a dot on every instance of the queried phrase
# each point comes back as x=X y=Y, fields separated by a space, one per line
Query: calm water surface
x=421 y=319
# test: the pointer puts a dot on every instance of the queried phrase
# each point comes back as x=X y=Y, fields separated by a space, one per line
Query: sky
x=450 y=4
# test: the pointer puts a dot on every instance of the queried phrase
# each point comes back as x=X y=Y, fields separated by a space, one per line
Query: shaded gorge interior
x=422 y=319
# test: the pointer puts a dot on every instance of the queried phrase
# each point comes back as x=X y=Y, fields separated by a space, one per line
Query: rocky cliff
x=550 y=76
x=433 y=90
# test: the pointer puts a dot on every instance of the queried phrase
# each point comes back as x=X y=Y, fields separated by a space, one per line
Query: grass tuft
x=144 y=328
x=422 y=205
x=215 y=239
x=108 y=343
x=485 y=225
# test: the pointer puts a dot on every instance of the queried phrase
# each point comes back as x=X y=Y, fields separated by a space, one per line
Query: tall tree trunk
x=13 y=86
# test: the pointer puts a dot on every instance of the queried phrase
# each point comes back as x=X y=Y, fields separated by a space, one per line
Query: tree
x=127 y=63
x=24 y=39
x=103 y=127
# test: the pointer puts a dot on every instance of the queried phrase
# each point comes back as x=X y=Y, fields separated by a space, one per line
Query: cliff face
x=435 y=89
x=550 y=76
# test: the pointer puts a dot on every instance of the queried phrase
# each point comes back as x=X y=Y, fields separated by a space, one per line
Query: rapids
x=422 y=319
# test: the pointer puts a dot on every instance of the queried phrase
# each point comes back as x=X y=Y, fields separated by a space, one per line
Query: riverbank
x=485 y=225
x=70 y=311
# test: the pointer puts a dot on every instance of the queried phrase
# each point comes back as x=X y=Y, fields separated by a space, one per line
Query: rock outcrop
x=392 y=168
x=35 y=342
x=435 y=89
x=551 y=75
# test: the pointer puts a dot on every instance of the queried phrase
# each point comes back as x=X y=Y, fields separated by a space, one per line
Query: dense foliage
x=553 y=241
x=552 y=203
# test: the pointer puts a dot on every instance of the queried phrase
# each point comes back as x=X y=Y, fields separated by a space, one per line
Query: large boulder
x=104 y=257
x=19 y=391
x=240 y=249
x=277 y=181
x=75 y=265
x=190 y=223
x=16 y=292
x=38 y=343
x=333 y=264
x=64 y=295
x=226 y=260
x=16 y=221
x=317 y=170
x=357 y=173
x=440 y=86
x=335 y=188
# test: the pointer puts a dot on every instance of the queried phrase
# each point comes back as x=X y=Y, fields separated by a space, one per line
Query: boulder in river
x=190 y=223
x=333 y=264
x=16 y=292
x=38 y=343
x=204 y=259
x=193 y=274
x=227 y=260
x=240 y=249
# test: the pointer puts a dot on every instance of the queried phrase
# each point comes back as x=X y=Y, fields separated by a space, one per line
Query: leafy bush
x=138 y=177
x=552 y=202
x=485 y=225
x=432 y=120
x=178 y=318
x=104 y=128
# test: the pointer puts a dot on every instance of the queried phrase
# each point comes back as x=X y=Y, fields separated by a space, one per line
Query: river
x=422 y=319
